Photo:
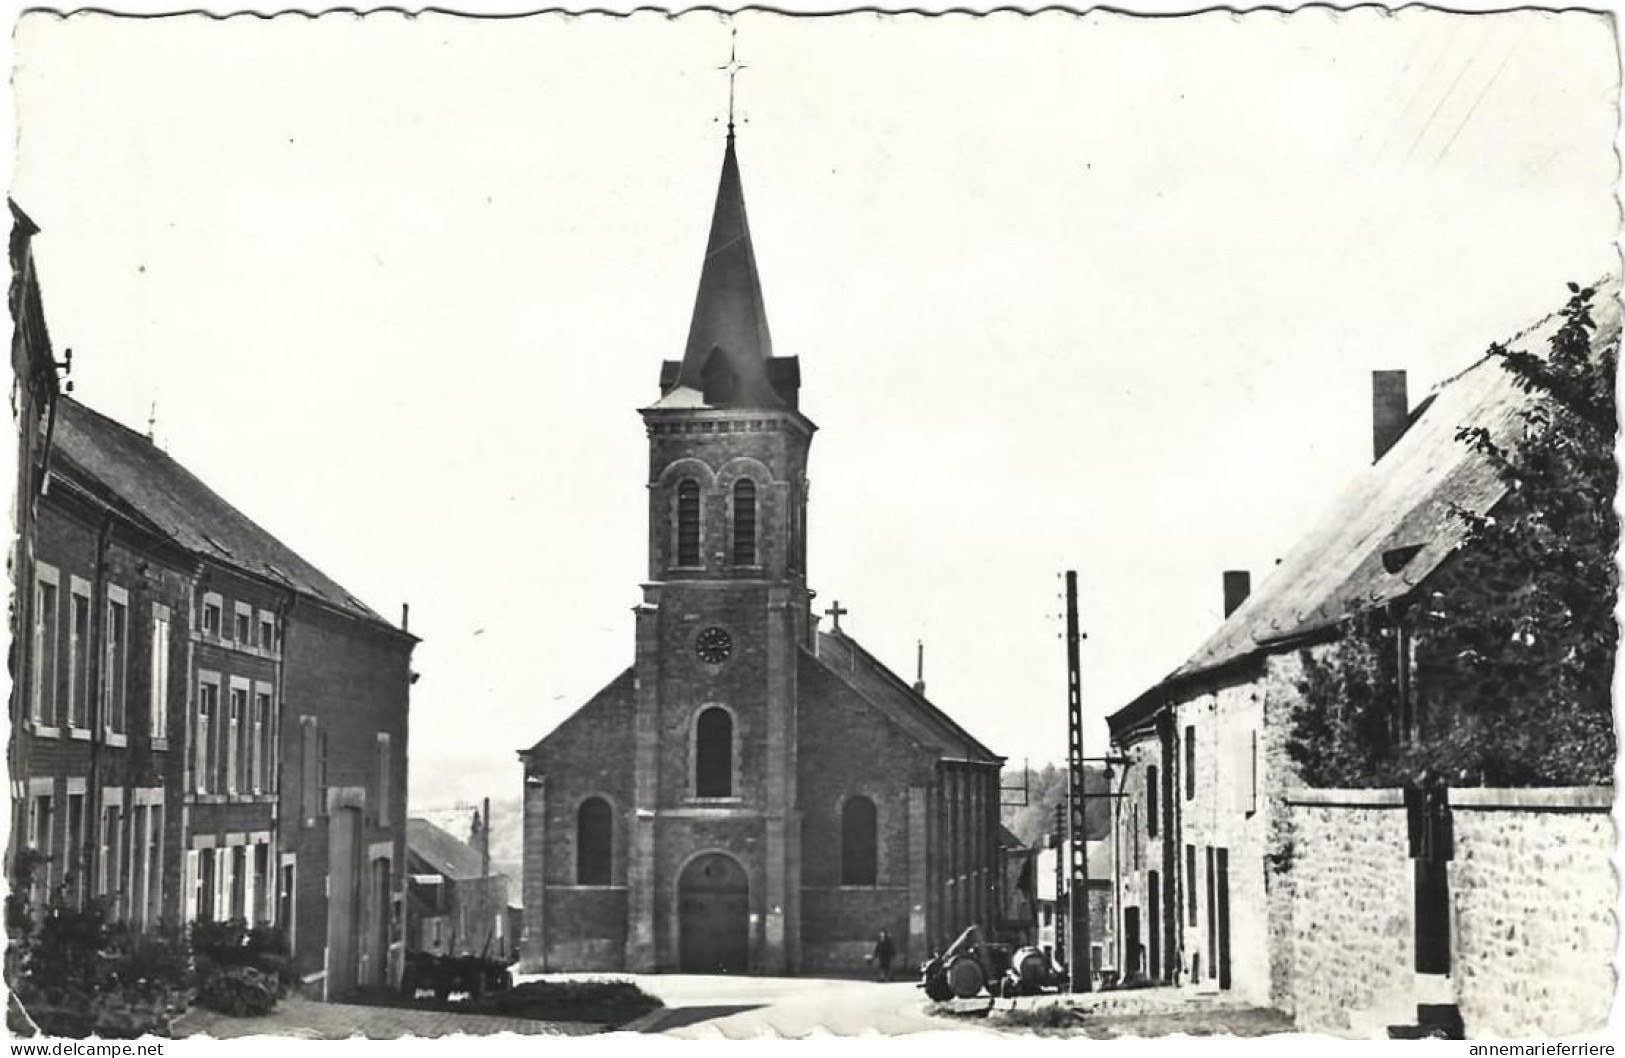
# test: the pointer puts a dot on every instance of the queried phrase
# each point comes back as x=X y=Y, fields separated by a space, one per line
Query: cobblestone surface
x=303 y=1019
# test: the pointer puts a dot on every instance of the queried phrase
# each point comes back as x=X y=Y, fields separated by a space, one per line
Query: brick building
x=456 y=903
x=1207 y=836
x=181 y=670
x=752 y=794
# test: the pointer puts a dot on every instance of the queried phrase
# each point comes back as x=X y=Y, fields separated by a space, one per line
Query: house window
x=262 y=881
x=267 y=631
x=204 y=751
x=1134 y=829
x=232 y=736
x=688 y=523
x=79 y=655
x=160 y=671
x=211 y=614
x=859 y=842
x=1190 y=883
x=73 y=871
x=115 y=678
x=260 y=766
x=155 y=864
x=1151 y=801
x=1190 y=763
x=45 y=639
x=714 y=753
x=243 y=624
x=383 y=779
x=39 y=839
x=206 y=882
x=112 y=820
x=594 y=833
x=744 y=549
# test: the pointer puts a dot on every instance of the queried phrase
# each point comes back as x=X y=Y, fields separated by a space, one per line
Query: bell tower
x=725 y=611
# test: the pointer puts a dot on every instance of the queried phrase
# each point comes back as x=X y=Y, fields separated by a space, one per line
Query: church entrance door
x=713 y=916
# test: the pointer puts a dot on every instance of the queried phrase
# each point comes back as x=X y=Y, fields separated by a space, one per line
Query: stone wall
x=1533 y=889
x=1353 y=955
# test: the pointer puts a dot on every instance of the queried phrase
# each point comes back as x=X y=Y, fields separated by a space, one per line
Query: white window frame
x=79 y=689
x=233 y=731
x=212 y=602
x=205 y=740
x=263 y=770
x=158 y=705
x=115 y=677
x=266 y=631
x=242 y=611
x=42 y=693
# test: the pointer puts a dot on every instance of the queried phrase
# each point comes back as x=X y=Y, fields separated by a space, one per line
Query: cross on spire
x=835 y=612
x=732 y=68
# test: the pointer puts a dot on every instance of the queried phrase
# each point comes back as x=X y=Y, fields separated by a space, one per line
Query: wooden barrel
x=1031 y=966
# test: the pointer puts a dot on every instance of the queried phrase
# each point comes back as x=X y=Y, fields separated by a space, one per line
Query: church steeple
x=728 y=361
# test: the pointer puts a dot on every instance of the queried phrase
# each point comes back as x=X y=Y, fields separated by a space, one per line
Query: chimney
x=1390 y=411
x=406 y=617
x=1238 y=584
x=919 y=671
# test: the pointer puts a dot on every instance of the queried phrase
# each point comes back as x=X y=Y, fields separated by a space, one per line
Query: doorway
x=1223 y=857
x=1153 y=899
x=713 y=916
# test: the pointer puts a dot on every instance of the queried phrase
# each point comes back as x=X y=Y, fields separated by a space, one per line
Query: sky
x=1095 y=293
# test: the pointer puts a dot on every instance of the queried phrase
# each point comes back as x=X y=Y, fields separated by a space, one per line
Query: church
x=753 y=794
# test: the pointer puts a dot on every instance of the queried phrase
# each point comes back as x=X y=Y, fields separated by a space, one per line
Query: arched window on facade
x=594 y=830
x=714 y=754
x=688 y=523
x=859 y=842
x=744 y=522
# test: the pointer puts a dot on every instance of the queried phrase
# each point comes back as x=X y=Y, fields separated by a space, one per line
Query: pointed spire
x=728 y=341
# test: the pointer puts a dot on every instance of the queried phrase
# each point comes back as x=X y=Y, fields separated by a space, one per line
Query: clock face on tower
x=713 y=645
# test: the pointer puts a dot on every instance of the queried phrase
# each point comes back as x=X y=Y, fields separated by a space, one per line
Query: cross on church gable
x=835 y=612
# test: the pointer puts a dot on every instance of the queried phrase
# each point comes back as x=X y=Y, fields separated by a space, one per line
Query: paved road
x=303 y=1019
x=710 y=1008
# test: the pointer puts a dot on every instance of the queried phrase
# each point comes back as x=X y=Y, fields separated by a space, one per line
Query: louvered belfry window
x=745 y=522
x=688 y=523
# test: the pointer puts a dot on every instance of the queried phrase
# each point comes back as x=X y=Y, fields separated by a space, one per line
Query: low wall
x=1534 y=893
x=1353 y=947
x=1532 y=911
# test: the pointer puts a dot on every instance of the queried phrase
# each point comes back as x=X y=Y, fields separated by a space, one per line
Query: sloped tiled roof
x=842 y=656
x=138 y=477
x=443 y=852
x=1399 y=508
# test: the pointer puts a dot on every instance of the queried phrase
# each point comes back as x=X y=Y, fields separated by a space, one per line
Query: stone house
x=752 y=794
x=456 y=904
x=1207 y=818
x=181 y=660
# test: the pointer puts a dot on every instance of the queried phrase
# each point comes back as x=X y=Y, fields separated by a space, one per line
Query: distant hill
x=1046 y=789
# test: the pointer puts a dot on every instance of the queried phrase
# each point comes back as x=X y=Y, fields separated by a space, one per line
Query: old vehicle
x=966 y=969
x=1033 y=971
x=447 y=974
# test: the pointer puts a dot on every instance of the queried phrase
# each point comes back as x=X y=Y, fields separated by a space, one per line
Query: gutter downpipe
x=98 y=719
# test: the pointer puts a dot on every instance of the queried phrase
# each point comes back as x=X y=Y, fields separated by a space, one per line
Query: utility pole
x=1077 y=846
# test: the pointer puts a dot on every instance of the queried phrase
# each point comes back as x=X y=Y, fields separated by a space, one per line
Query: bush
x=222 y=945
x=240 y=991
x=78 y=975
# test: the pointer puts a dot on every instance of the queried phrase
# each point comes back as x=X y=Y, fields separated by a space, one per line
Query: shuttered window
x=688 y=523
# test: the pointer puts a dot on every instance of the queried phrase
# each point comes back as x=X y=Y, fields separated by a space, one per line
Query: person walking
x=885 y=952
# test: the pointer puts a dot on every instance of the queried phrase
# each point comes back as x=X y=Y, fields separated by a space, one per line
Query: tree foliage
x=1515 y=637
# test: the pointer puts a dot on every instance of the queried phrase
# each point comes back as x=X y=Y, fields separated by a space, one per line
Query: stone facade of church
x=752 y=794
